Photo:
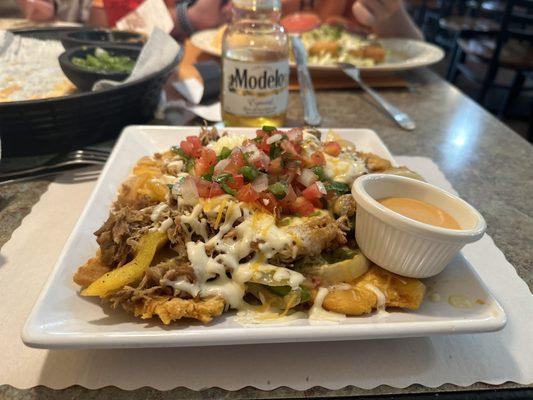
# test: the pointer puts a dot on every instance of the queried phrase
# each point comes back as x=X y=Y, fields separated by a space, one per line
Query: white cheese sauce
x=344 y=170
x=158 y=210
x=222 y=273
x=381 y=298
x=317 y=314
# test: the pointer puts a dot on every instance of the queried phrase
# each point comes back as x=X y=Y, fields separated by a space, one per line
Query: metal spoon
x=311 y=115
x=399 y=116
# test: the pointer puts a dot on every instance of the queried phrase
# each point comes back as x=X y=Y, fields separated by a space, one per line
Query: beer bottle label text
x=255 y=89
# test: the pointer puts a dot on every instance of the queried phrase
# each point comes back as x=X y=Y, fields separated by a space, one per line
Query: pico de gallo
x=285 y=172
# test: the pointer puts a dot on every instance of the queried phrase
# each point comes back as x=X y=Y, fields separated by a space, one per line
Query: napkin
x=149 y=15
x=159 y=51
x=181 y=111
x=26 y=261
x=199 y=87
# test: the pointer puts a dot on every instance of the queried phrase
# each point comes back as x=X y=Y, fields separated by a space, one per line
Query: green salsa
x=102 y=61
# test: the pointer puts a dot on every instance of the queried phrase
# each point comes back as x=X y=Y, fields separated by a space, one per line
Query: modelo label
x=255 y=89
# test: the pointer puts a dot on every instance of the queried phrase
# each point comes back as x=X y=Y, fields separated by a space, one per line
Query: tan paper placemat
x=27 y=259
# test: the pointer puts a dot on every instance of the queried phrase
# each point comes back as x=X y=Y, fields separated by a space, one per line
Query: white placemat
x=28 y=257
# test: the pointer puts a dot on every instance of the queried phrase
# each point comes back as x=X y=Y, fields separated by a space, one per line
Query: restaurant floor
x=520 y=112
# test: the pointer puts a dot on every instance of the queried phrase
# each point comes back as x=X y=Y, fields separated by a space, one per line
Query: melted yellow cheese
x=230 y=141
x=344 y=170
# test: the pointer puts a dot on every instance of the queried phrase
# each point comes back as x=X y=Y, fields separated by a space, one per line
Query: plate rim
x=34 y=336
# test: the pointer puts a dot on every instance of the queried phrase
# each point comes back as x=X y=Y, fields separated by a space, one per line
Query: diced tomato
x=287 y=201
x=264 y=147
x=195 y=140
x=191 y=146
x=268 y=201
x=261 y=161
x=288 y=147
x=261 y=133
x=236 y=162
x=312 y=192
x=317 y=203
x=332 y=148
x=276 y=166
x=208 y=158
x=237 y=182
x=215 y=190
x=203 y=187
x=302 y=206
x=317 y=158
x=247 y=194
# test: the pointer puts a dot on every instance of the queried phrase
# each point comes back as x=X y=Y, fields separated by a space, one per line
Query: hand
x=206 y=14
x=371 y=13
x=37 y=10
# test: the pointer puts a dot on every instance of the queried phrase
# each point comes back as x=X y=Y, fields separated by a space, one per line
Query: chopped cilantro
x=250 y=173
x=319 y=171
x=280 y=290
x=224 y=153
x=279 y=189
x=275 y=150
x=176 y=149
x=337 y=187
x=222 y=180
x=268 y=128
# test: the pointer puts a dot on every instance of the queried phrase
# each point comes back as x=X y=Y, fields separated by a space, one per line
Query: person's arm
x=386 y=18
x=203 y=14
x=37 y=10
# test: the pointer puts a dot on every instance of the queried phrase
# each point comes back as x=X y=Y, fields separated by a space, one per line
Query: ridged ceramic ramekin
x=405 y=246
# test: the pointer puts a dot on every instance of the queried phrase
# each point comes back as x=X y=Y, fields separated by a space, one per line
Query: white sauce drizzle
x=166 y=224
x=158 y=210
x=345 y=169
x=317 y=312
x=381 y=298
x=211 y=272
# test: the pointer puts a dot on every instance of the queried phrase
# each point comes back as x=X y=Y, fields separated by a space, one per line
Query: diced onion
x=274 y=138
x=295 y=134
x=321 y=188
x=260 y=160
x=221 y=165
x=186 y=188
x=250 y=148
x=260 y=184
x=307 y=177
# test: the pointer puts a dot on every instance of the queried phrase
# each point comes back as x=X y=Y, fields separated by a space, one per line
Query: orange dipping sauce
x=420 y=211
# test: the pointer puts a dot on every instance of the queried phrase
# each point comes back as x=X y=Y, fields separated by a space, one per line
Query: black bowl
x=101 y=37
x=84 y=79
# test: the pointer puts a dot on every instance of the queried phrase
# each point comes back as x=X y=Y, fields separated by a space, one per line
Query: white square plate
x=63 y=319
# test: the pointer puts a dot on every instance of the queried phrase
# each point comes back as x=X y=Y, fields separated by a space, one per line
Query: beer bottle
x=255 y=65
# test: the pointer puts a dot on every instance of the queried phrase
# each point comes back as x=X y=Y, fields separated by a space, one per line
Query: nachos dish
x=262 y=225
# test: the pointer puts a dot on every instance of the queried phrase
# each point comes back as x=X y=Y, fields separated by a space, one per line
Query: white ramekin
x=400 y=244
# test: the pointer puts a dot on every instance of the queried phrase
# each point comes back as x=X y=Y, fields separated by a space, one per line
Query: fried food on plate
x=377 y=288
x=229 y=222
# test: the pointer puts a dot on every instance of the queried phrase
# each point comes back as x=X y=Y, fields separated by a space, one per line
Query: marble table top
x=487 y=163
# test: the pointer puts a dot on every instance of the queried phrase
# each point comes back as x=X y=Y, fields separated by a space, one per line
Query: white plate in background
x=402 y=54
x=61 y=318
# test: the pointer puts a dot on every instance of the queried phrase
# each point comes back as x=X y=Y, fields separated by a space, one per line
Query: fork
x=62 y=162
x=399 y=116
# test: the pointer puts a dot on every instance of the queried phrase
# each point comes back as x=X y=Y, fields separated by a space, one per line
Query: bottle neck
x=256 y=10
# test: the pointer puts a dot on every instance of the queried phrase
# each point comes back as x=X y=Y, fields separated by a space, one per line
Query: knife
x=307 y=93
x=399 y=116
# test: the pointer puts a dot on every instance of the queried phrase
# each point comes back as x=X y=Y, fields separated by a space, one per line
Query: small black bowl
x=101 y=37
x=84 y=79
